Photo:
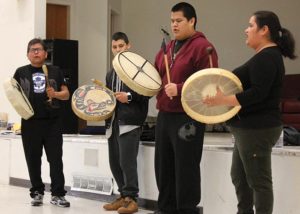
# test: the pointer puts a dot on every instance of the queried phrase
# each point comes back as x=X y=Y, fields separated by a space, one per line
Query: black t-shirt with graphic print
x=33 y=83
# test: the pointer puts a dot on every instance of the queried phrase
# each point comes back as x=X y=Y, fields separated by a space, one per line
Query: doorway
x=57 y=21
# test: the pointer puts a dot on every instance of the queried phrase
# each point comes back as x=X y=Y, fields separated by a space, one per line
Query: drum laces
x=118 y=83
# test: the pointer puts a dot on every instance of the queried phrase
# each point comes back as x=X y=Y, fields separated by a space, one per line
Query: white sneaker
x=37 y=199
x=60 y=201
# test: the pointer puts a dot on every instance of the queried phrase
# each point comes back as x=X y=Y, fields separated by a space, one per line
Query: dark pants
x=123 y=151
x=178 y=151
x=251 y=171
x=36 y=135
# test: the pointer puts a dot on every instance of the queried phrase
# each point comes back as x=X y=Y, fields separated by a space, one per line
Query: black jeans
x=178 y=151
x=36 y=135
x=123 y=151
x=251 y=171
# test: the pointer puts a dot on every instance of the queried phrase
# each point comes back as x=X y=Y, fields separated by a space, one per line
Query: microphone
x=166 y=35
x=165 y=32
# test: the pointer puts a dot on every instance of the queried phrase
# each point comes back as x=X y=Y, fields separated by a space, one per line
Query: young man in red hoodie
x=179 y=138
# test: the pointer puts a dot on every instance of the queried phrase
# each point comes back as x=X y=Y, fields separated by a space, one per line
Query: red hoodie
x=190 y=58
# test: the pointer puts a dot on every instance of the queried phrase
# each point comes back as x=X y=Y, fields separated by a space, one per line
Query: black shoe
x=60 y=201
x=37 y=199
x=158 y=212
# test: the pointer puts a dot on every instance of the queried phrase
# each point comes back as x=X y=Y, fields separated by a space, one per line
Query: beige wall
x=142 y=21
x=91 y=27
x=20 y=21
x=223 y=22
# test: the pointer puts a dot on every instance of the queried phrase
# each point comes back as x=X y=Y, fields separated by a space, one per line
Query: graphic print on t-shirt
x=39 y=83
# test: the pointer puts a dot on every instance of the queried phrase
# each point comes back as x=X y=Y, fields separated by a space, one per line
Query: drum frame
x=78 y=104
x=130 y=82
x=210 y=119
x=25 y=111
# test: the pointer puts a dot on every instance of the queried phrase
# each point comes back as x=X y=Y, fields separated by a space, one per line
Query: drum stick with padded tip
x=167 y=68
x=209 y=51
x=45 y=70
x=99 y=83
x=166 y=62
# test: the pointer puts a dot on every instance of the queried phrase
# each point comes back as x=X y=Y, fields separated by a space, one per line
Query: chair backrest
x=291 y=86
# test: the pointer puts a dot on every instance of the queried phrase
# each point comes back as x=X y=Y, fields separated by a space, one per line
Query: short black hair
x=120 y=35
x=36 y=41
x=187 y=9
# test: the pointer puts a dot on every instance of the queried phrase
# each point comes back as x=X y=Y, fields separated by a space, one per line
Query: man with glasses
x=43 y=129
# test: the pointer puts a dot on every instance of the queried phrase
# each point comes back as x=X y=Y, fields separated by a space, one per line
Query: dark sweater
x=191 y=58
x=262 y=78
x=132 y=113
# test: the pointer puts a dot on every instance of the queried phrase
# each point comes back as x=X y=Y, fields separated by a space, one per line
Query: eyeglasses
x=34 y=50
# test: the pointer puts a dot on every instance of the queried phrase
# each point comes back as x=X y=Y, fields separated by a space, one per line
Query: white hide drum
x=93 y=102
x=17 y=98
x=204 y=83
x=137 y=73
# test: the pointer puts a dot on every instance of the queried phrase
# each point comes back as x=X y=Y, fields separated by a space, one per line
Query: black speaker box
x=64 y=54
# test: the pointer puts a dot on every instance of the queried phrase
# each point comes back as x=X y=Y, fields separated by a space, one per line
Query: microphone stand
x=165 y=57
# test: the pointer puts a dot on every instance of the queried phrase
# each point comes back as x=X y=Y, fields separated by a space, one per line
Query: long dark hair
x=279 y=35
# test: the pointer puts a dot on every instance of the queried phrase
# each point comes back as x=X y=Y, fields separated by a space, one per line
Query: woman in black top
x=257 y=126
